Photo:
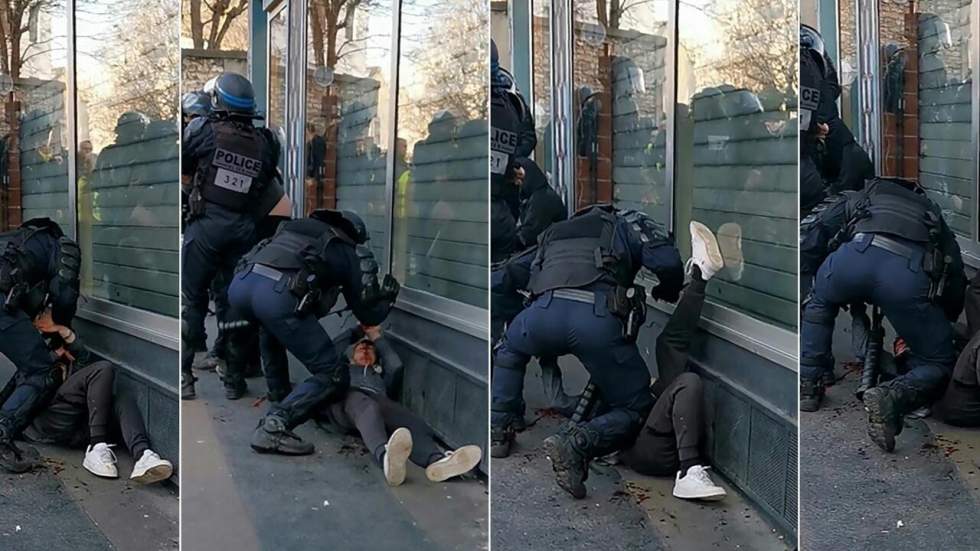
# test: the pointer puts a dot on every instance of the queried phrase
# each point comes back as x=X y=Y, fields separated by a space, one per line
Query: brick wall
x=199 y=66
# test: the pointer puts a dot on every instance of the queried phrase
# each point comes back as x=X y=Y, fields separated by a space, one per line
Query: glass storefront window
x=736 y=150
x=619 y=79
x=926 y=71
x=278 y=46
x=348 y=121
x=541 y=73
x=128 y=192
x=41 y=131
x=440 y=204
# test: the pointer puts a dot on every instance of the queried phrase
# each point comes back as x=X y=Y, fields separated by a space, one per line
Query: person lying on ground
x=86 y=412
x=391 y=432
x=671 y=438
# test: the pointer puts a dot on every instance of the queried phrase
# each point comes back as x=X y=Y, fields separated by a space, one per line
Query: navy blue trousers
x=555 y=327
x=270 y=303
x=22 y=344
x=858 y=272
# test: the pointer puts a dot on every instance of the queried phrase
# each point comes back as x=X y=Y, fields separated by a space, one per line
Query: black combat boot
x=187 y=391
x=272 y=436
x=234 y=388
x=811 y=394
x=14 y=459
x=501 y=439
x=887 y=405
x=569 y=452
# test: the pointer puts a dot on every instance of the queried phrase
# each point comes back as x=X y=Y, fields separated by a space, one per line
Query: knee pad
x=504 y=358
x=819 y=314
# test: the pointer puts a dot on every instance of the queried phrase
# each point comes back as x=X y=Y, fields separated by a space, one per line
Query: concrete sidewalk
x=623 y=510
x=335 y=499
x=63 y=506
x=855 y=496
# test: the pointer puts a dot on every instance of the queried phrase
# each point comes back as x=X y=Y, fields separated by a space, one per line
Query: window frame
x=774 y=343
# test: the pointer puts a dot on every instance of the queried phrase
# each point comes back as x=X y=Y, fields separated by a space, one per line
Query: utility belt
x=300 y=283
x=626 y=303
x=934 y=263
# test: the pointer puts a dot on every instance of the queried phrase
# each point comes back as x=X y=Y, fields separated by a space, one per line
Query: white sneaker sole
x=399 y=448
x=461 y=462
x=714 y=495
x=154 y=474
x=93 y=470
x=705 y=236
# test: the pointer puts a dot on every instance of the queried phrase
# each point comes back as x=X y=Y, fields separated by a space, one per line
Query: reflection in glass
x=736 y=166
x=927 y=104
x=541 y=70
x=440 y=207
x=619 y=79
x=347 y=113
x=276 y=116
x=40 y=128
x=128 y=193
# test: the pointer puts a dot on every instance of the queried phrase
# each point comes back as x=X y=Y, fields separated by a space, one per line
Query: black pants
x=374 y=417
x=22 y=344
x=84 y=410
x=960 y=404
x=672 y=432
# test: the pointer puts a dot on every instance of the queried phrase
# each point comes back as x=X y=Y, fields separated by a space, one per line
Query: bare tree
x=210 y=23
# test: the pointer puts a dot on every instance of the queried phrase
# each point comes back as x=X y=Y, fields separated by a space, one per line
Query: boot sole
x=878 y=428
x=278 y=451
x=153 y=475
x=461 y=462
x=399 y=448
x=809 y=406
x=499 y=451
x=553 y=451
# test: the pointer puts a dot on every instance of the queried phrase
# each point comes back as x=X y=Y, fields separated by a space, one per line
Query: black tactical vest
x=234 y=172
x=22 y=281
x=505 y=121
x=578 y=252
x=891 y=208
x=297 y=244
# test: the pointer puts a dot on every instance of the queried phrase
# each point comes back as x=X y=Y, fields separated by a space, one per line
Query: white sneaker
x=151 y=468
x=397 y=450
x=100 y=461
x=704 y=250
x=454 y=463
x=696 y=484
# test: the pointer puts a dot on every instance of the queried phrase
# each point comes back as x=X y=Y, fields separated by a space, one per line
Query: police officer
x=584 y=302
x=39 y=273
x=830 y=158
x=194 y=104
x=229 y=169
x=897 y=253
x=285 y=284
x=512 y=136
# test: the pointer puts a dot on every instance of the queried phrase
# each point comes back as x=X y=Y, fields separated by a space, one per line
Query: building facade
x=384 y=112
x=89 y=137
x=687 y=111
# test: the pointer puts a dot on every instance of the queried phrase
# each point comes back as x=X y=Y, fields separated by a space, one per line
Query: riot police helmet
x=231 y=93
x=812 y=43
x=195 y=104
